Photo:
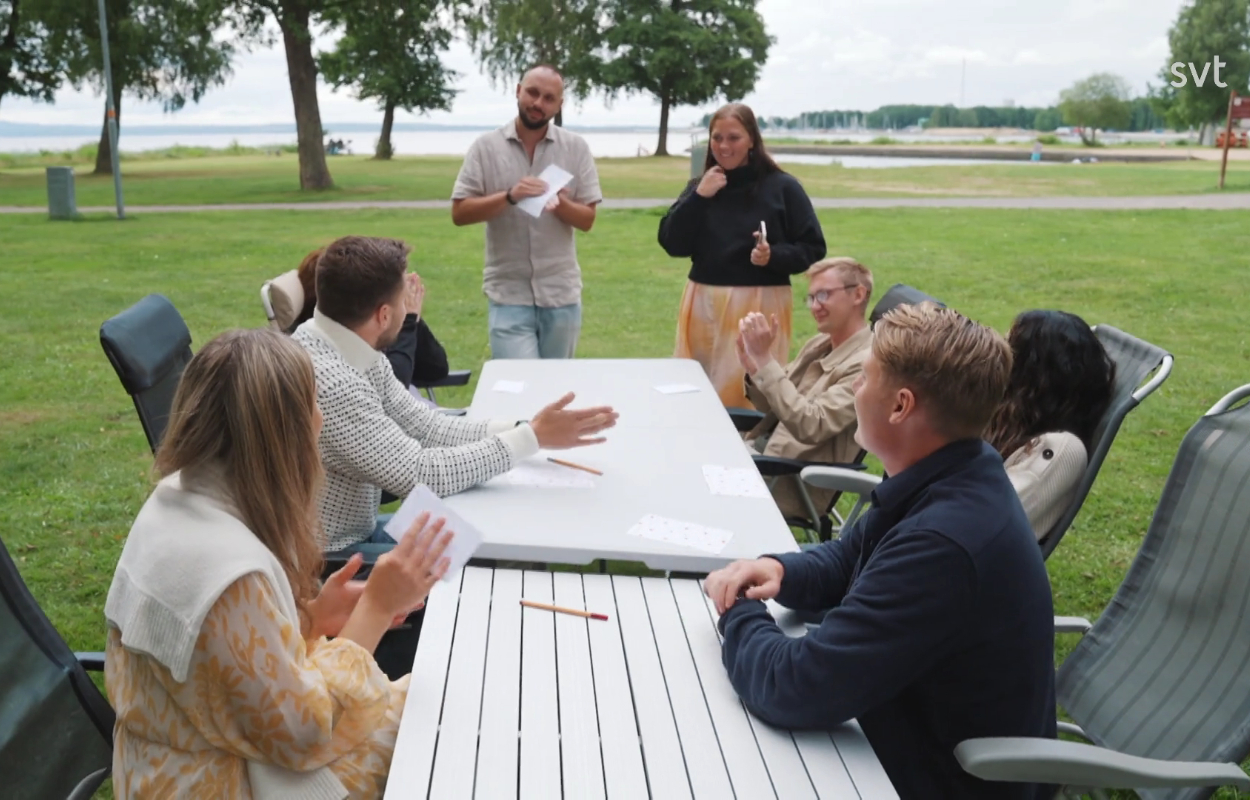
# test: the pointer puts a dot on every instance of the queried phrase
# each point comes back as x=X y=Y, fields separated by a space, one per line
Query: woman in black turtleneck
x=715 y=223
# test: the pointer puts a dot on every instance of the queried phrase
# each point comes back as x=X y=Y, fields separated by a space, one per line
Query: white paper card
x=512 y=387
x=744 y=482
x=556 y=179
x=464 y=542
x=676 y=388
x=686 y=534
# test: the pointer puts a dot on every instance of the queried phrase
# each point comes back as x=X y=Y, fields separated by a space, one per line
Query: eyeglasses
x=821 y=297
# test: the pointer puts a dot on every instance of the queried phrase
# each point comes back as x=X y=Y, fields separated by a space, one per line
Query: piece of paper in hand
x=686 y=534
x=465 y=540
x=556 y=179
x=512 y=387
x=676 y=388
x=744 y=482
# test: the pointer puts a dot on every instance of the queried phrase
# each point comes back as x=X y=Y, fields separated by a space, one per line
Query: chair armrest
x=841 y=479
x=1051 y=761
x=1072 y=625
x=457 y=377
x=92 y=662
x=772 y=466
x=745 y=419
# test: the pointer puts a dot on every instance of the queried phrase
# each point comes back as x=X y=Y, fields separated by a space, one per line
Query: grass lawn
x=76 y=465
x=260 y=179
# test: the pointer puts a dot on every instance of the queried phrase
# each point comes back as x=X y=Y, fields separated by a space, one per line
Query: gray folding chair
x=56 y=729
x=1134 y=359
x=149 y=345
x=1159 y=684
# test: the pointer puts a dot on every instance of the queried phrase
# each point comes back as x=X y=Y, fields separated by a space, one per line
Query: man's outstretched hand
x=559 y=427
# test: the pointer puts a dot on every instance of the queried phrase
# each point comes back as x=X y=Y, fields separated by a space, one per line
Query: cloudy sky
x=828 y=54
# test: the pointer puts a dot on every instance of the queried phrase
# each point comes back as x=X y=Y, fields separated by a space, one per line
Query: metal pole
x=111 y=115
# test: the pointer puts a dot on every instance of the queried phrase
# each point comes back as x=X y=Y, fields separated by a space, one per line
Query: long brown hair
x=758 y=158
x=244 y=413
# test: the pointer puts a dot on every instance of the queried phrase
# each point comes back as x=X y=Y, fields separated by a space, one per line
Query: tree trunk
x=104 y=153
x=301 y=70
x=559 y=120
x=661 y=149
x=384 y=151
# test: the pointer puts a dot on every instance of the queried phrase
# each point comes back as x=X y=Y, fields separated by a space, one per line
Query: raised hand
x=712 y=182
x=559 y=428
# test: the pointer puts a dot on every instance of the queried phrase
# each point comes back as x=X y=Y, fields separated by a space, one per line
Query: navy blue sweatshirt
x=717 y=233
x=941 y=627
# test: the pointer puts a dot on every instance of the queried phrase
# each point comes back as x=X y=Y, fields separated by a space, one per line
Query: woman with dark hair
x=746 y=226
x=1061 y=383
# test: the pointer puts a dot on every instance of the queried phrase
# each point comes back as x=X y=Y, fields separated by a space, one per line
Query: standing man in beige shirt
x=809 y=405
x=532 y=278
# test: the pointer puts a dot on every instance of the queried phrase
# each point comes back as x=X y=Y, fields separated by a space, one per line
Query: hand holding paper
x=465 y=538
x=556 y=179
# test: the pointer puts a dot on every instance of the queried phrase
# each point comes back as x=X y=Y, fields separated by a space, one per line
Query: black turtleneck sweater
x=718 y=233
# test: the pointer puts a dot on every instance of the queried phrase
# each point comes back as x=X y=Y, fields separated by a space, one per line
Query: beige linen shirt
x=809 y=407
x=529 y=261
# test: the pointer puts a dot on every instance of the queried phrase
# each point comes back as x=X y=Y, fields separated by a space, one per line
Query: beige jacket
x=809 y=409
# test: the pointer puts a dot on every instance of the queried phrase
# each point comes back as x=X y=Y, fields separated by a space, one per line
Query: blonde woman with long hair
x=217 y=663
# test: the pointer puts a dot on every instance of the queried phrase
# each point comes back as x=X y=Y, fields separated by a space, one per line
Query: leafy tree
x=390 y=53
x=1099 y=101
x=510 y=36
x=1203 y=30
x=159 y=50
x=683 y=52
x=1047 y=119
x=27 y=67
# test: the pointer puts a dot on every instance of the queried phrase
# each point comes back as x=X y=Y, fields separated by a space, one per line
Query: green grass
x=258 y=179
x=76 y=465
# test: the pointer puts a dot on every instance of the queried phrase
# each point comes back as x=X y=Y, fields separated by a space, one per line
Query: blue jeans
x=534 y=331
x=378 y=543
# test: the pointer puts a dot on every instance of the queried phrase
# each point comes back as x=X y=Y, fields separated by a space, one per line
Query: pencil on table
x=574 y=466
x=563 y=610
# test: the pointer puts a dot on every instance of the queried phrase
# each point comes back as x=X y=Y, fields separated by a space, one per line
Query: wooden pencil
x=563 y=610
x=574 y=466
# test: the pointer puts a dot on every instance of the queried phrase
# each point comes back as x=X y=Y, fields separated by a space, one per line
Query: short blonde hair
x=850 y=269
x=958 y=369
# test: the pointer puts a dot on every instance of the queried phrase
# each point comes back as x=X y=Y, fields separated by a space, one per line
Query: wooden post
x=1228 y=137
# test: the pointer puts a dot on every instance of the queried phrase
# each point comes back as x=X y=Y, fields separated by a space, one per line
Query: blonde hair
x=851 y=270
x=244 y=412
x=958 y=369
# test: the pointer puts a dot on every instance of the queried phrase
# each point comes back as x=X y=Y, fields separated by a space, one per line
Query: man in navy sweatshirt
x=941 y=626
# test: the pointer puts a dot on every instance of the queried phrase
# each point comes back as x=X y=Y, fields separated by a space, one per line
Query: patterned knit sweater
x=375 y=436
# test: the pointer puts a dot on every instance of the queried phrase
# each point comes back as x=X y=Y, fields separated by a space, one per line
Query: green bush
x=1048 y=138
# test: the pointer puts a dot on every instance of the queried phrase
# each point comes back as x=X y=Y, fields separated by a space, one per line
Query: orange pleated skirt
x=707 y=330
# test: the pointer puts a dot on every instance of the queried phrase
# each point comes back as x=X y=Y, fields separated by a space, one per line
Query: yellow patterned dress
x=255 y=691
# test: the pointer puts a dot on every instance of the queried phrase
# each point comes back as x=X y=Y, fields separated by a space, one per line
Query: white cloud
x=828 y=54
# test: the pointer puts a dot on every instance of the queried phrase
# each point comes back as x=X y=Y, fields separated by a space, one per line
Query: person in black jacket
x=940 y=623
x=416 y=356
x=746 y=226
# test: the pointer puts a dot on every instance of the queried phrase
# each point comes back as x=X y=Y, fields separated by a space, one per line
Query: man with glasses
x=809 y=405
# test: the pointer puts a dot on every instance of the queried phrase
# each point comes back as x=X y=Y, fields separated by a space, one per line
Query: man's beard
x=527 y=122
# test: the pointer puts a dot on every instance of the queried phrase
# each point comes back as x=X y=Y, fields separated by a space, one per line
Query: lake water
x=622 y=143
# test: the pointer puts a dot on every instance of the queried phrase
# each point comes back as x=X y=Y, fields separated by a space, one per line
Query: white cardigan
x=1045 y=473
x=184 y=550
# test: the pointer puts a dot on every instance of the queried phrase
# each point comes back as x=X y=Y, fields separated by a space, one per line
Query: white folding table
x=652 y=463
x=512 y=702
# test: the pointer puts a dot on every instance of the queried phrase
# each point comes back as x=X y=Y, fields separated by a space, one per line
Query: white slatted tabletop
x=512 y=702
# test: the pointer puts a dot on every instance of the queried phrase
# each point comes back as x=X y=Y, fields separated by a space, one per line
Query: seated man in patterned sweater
x=375 y=435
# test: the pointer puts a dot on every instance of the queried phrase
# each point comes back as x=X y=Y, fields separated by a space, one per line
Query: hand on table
x=759 y=579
